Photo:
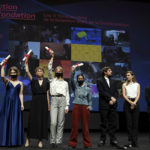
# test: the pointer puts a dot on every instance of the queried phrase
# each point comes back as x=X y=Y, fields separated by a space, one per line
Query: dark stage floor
x=144 y=143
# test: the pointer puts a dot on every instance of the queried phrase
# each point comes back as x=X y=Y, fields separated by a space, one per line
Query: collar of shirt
x=106 y=78
x=82 y=85
x=59 y=79
x=131 y=83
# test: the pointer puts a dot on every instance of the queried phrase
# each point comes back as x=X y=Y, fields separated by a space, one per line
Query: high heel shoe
x=40 y=144
x=27 y=143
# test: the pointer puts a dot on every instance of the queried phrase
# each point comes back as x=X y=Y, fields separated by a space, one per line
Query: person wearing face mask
x=11 y=117
x=131 y=94
x=59 y=92
x=81 y=111
x=38 y=118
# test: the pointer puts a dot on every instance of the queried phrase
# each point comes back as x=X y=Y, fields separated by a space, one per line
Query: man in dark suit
x=107 y=106
x=147 y=97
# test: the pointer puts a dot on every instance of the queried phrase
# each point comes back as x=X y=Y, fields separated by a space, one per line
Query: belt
x=57 y=95
x=132 y=99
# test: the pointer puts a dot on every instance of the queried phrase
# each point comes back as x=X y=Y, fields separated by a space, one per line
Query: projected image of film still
x=66 y=64
x=89 y=36
x=18 y=49
x=56 y=34
x=114 y=54
x=24 y=32
x=61 y=51
x=115 y=38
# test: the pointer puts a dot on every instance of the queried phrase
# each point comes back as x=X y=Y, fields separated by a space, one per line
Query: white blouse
x=131 y=89
x=58 y=87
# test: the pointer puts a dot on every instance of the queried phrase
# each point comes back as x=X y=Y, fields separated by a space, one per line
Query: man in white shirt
x=107 y=104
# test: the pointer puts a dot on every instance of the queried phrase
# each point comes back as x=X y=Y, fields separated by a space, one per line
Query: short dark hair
x=104 y=69
x=80 y=75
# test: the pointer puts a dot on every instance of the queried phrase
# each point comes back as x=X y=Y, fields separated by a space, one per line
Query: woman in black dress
x=38 y=119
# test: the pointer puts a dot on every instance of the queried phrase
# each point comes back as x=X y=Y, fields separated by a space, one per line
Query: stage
x=144 y=143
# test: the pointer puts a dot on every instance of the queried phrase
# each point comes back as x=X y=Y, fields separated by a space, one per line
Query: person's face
x=80 y=78
x=58 y=70
x=108 y=73
x=39 y=73
x=129 y=76
x=13 y=72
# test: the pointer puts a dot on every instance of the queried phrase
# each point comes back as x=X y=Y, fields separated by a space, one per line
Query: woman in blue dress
x=11 y=117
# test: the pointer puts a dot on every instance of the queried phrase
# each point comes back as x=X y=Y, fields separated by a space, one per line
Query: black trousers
x=109 y=123
x=149 y=125
x=148 y=113
x=132 y=118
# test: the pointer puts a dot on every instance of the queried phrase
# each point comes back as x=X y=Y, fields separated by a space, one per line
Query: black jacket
x=147 y=97
x=106 y=92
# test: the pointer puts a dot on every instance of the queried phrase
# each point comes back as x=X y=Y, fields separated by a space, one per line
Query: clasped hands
x=132 y=105
x=112 y=101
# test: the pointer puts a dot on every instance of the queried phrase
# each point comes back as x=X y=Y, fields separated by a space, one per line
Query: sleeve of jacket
x=90 y=99
x=116 y=94
x=73 y=83
x=147 y=95
x=102 y=92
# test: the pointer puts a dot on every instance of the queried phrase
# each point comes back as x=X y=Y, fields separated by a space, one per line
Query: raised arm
x=73 y=83
x=50 y=65
x=28 y=72
x=5 y=80
x=21 y=96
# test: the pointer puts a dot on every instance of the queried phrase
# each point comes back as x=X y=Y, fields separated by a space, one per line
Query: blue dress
x=11 y=118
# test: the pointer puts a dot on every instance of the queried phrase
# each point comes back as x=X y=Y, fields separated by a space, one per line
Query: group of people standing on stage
x=11 y=117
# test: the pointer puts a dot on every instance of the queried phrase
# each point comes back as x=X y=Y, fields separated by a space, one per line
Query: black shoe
x=134 y=144
x=59 y=145
x=114 y=143
x=70 y=147
x=129 y=145
x=87 y=147
x=101 y=143
x=53 y=145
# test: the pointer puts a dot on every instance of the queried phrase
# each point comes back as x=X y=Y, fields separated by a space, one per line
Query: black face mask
x=58 y=74
x=13 y=76
x=80 y=82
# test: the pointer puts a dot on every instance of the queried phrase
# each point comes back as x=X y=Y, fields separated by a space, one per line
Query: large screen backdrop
x=94 y=46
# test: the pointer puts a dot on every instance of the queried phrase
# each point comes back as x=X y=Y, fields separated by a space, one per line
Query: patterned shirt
x=58 y=87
